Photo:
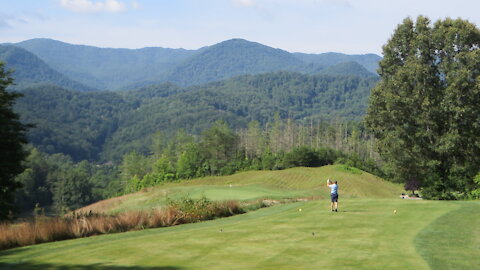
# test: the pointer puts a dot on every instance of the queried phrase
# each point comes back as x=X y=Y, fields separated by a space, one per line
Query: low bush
x=475 y=193
x=204 y=209
x=309 y=157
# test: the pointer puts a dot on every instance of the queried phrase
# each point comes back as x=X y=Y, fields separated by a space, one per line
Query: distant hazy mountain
x=29 y=69
x=232 y=58
x=346 y=68
x=114 y=69
x=107 y=68
x=368 y=61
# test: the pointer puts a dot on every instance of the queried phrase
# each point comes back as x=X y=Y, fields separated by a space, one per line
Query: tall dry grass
x=44 y=229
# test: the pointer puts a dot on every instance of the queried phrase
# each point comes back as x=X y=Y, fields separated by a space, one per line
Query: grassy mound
x=252 y=185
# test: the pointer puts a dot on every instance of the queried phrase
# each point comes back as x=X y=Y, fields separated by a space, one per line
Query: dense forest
x=103 y=126
x=73 y=123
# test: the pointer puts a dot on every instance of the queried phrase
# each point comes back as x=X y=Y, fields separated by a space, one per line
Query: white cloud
x=253 y=3
x=135 y=5
x=341 y=3
x=10 y=20
x=244 y=3
x=89 y=6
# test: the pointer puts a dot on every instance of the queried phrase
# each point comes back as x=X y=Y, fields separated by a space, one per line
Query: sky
x=309 y=26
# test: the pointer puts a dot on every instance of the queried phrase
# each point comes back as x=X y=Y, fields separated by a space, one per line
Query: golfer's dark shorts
x=334 y=197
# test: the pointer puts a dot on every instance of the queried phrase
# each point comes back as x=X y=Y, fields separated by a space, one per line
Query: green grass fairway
x=366 y=234
x=452 y=241
x=291 y=183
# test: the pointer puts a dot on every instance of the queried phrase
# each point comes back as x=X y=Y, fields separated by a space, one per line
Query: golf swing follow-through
x=334 y=194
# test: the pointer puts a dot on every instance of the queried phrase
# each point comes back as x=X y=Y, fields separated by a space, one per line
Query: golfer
x=334 y=194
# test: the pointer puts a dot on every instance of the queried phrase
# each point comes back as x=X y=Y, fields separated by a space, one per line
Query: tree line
x=220 y=150
x=56 y=184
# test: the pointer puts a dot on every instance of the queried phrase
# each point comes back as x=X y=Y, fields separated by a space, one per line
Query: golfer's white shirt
x=333 y=188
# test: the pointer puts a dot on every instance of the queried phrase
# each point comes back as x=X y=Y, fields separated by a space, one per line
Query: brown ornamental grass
x=76 y=225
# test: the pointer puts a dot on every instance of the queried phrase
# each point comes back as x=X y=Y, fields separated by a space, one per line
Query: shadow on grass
x=19 y=261
x=34 y=266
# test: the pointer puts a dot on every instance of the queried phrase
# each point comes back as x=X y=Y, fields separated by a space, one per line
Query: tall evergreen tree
x=12 y=138
x=424 y=112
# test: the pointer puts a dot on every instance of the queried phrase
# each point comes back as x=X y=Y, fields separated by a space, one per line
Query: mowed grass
x=452 y=241
x=253 y=185
x=365 y=234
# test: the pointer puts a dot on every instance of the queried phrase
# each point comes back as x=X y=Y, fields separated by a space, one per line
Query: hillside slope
x=105 y=125
x=252 y=185
x=243 y=99
x=70 y=122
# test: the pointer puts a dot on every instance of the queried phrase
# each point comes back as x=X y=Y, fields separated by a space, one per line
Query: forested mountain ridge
x=346 y=68
x=232 y=58
x=29 y=69
x=368 y=61
x=106 y=125
x=127 y=69
x=107 y=68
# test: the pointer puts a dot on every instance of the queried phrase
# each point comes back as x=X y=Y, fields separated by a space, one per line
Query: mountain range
x=67 y=98
x=90 y=68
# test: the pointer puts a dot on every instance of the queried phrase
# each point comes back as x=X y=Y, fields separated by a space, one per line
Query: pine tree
x=12 y=139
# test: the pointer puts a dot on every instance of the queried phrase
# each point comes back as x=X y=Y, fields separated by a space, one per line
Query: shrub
x=204 y=209
x=431 y=193
x=268 y=160
x=475 y=193
x=302 y=156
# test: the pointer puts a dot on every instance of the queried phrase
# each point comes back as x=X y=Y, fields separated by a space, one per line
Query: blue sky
x=312 y=26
